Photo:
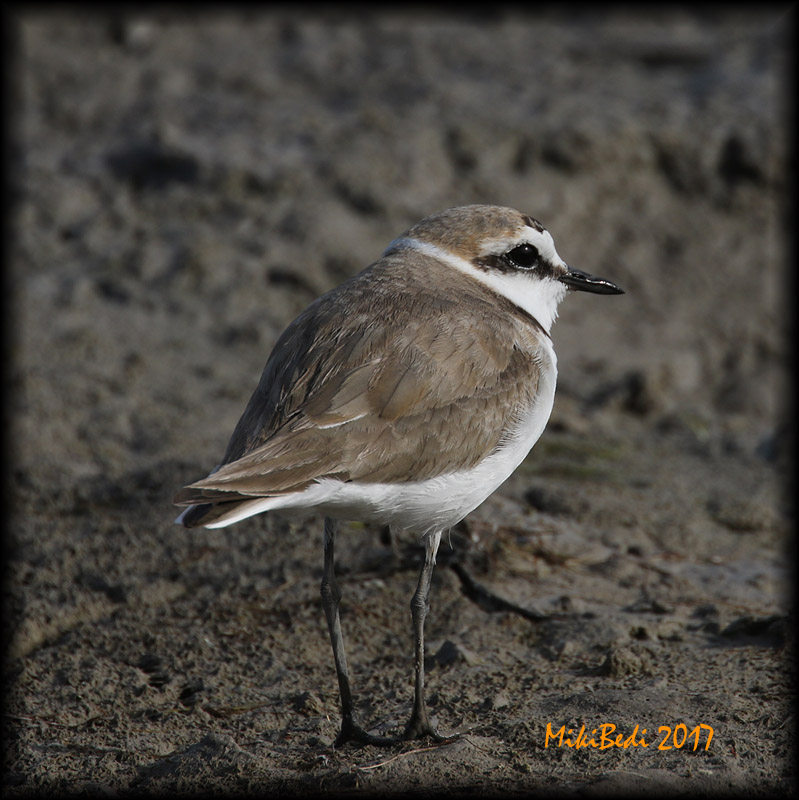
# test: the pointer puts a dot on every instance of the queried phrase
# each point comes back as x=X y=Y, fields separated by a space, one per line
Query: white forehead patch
x=541 y=240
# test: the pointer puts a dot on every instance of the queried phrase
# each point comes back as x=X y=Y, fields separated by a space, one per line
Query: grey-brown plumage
x=405 y=396
x=365 y=385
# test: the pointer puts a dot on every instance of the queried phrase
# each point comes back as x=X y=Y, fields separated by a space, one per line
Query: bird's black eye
x=525 y=256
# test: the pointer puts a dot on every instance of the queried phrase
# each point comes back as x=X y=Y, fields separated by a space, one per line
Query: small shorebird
x=404 y=397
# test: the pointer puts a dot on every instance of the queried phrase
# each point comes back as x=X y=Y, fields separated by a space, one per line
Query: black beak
x=583 y=282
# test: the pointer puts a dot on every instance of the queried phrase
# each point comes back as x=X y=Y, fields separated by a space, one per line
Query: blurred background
x=183 y=184
x=185 y=187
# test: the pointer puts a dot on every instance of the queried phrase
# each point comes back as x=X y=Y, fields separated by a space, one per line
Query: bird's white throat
x=539 y=297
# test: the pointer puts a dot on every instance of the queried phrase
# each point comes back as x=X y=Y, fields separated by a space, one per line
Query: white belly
x=434 y=504
x=441 y=502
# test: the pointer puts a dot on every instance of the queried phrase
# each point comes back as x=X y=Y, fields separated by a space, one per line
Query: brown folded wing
x=374 y=385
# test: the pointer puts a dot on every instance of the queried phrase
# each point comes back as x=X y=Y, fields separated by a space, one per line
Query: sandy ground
x=182 y=186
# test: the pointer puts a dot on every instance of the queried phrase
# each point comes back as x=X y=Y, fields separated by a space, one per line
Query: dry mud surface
x=182 y=186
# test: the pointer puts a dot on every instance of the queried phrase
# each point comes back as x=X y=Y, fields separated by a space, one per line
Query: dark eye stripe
x=514 y=261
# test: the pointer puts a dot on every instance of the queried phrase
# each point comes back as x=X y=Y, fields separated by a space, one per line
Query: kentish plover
x=404 y=397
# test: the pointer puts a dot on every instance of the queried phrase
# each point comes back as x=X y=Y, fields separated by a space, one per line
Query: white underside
x=436 y=504
x=421 y=506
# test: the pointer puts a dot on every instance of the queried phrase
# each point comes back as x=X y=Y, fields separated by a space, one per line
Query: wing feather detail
x=385 y=379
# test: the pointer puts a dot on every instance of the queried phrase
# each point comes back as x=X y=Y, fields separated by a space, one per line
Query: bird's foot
x=352 y=732
x=419 y=727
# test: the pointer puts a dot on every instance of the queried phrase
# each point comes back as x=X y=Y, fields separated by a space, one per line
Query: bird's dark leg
x=419 y=723
x=331 y=595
